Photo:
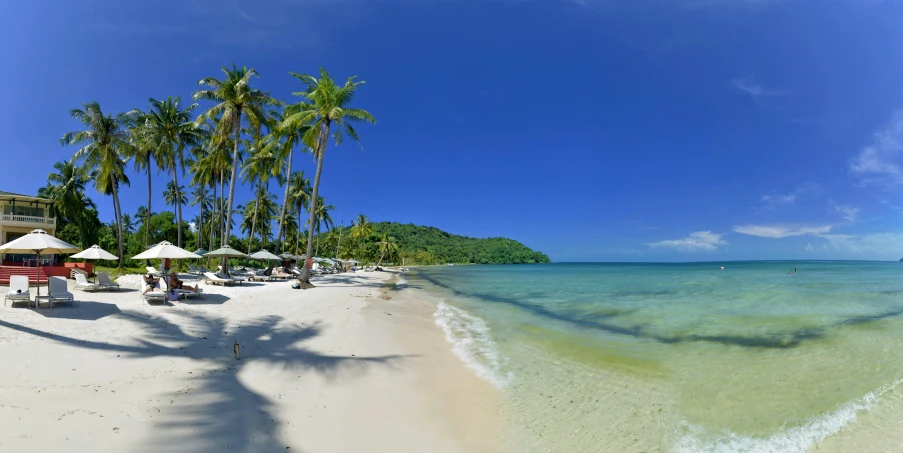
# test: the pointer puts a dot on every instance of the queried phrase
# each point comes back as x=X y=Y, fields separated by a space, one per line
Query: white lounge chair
x=152 y=271
x=156 y=296
x=192 y=269
x=18 y=289
x=59 y=292
x=82 y=283
x=261 y=276
x=184 y=292
x=105 y=282
x=210 y=277
x=233 y=278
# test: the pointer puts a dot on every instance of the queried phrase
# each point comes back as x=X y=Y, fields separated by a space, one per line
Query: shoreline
x=357 y=364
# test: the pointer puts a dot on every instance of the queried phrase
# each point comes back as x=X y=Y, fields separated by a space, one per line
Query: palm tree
x=168 y=128
x=363 y=229
x=199 y=198
x=322 y=218
x=387 y=245
x=174 y=195
x=208 y=168
x=259 y=168
x=143 y=153
x=325 y=106
x=259 y=218
x=286 y=138
x=300 y=195
x=67 y=190
x=128 y=225
x=234 y=97
x=105 y=143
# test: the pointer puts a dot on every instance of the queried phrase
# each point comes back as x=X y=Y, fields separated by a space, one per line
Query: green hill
x=429 y=245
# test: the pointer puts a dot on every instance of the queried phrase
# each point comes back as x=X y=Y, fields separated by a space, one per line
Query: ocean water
x=683 y=357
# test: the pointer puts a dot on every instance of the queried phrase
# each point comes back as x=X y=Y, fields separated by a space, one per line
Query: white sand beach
x=349 y=366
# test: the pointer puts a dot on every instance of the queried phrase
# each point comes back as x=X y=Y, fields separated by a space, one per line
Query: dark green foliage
x=429 y=245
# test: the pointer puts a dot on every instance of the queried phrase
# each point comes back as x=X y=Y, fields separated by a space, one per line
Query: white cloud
x=808 y=248
x=194 y=227
x=781 y=231
x=779 y=199
x=846 y=211
x=749 y=86
x=805 y=190
x=700 y=240
x=875 y=243
x=876 y=164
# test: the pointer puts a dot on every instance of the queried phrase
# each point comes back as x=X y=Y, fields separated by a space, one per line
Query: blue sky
x=646 y=130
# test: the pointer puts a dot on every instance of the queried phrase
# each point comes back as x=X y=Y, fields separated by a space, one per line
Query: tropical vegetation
x=237 y=134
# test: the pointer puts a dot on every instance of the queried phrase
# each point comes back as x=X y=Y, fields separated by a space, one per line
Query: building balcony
x=27 y=221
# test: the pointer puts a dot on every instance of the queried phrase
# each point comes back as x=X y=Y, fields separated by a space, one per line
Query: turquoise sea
x=683 y=357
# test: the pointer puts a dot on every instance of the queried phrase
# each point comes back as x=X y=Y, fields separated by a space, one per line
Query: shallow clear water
x=683 y=357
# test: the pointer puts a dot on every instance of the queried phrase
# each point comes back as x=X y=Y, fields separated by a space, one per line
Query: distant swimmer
x=794 y=269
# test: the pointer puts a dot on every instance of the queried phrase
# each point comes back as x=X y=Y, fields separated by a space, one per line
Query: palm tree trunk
x=339 y=244
x=148 y=215
x=222 y=205
x=212 y=219
x=321 y=148
x=254 y=218
x=118 y=220
x=237 y=126
x=298 y=236
x=178 y=202
x=288 y=174
x=201 y=218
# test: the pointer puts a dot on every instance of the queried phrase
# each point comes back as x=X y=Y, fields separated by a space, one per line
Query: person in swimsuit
x=150 y=284
x=175 y=283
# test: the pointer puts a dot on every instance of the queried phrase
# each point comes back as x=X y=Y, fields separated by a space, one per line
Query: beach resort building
x=20 y=214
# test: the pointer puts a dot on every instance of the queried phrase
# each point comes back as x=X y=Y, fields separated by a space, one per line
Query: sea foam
x=471 y=341
x=788 y=439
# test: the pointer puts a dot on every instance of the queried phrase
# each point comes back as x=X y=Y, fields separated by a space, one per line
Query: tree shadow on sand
x=215 y=411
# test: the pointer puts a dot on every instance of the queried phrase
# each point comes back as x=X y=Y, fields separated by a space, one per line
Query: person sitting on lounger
x=175 y=283
x=150 y=284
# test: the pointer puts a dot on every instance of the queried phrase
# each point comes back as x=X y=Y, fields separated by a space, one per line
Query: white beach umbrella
x=38 y=242
x=265 y=255
x=164 y=250
x=227 y=252
x=95 y=253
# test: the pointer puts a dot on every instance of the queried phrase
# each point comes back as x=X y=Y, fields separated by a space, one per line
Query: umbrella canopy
x=287 y=256
x=165 y=249
x=201 y=252
x=299 y=257
x=351 y=261
x=95 y=253
x=227 y=252
x=38 y=241
x=265 y=255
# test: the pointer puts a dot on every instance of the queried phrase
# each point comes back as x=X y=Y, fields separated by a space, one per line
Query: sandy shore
x=351 y=366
